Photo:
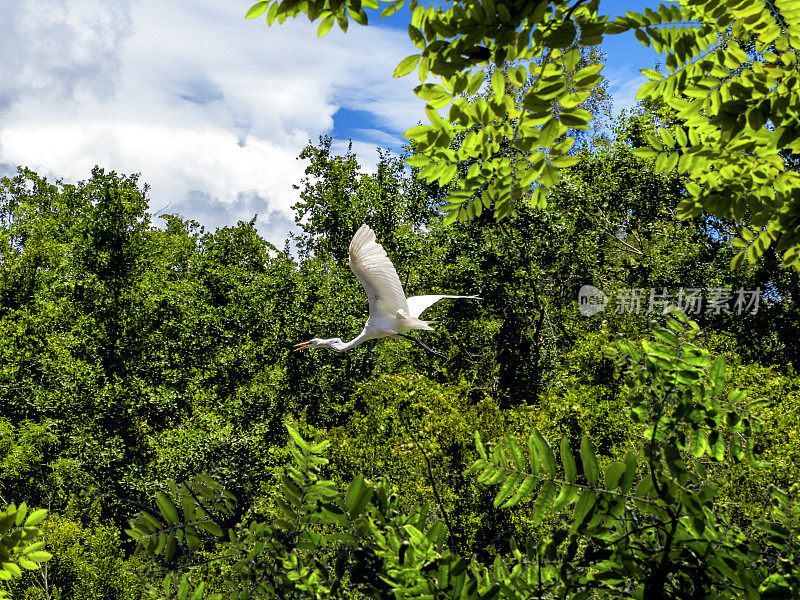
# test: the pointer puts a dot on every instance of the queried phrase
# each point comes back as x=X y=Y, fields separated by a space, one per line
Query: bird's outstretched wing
x=369 y=262
x=418 y=304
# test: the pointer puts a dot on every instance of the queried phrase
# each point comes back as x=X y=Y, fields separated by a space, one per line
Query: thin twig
x=453 y=542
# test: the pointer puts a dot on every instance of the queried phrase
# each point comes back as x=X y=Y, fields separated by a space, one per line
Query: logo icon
x=591 y=300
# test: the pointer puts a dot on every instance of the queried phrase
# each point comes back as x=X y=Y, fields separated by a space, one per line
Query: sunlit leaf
x=589 y=459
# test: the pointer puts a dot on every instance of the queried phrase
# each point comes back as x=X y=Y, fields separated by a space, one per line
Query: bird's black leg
x=428 y=348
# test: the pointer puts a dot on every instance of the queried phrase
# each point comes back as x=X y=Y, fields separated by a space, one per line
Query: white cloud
x=210 y=108
x=380 y=137
x=624 y=81
x=624 y=93
x=200 y=206
x=366 y=152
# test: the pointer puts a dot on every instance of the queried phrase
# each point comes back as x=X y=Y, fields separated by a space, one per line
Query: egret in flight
x=390 y=312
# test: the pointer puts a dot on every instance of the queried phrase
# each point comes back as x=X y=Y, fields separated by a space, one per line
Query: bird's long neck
x=360 y=338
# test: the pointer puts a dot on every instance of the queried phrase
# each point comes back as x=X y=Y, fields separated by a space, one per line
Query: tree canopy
x=151 y=401
x=731 y=78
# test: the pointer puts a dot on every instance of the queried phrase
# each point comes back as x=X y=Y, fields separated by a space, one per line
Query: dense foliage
x=195 y=372
x=150 y=399
x=731 y=75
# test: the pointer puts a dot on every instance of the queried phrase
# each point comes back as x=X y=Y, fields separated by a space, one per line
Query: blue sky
x=625 y=56
x=212 y=109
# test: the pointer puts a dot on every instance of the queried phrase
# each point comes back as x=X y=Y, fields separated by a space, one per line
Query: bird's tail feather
x=414 y=323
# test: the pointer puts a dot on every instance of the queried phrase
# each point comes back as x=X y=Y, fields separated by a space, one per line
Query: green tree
x=337 y=198
x=21 y=544
x=647 y=526
x=739 y=110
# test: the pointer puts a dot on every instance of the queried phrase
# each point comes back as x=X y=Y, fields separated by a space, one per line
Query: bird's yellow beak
x=302 y=346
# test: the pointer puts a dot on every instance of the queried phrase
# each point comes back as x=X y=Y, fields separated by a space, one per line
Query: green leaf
x=615 y=474
x=418 y=132
x=755 y=119
x=209 y=527
x=39 y=556
x=148 y=522
x=568 y=460
x=716 y=446
x=571 y=58
x=183 y=589
x=452 y=216
x=543 y=502
x=737 y=451
x=651 y=74
x=642 y=36
x=169 y=549
x=359 y=16
x=522 y=492
x=191 y=539
x=630 y=472
x=775 y=587
x=549 y=176
x=301 y=443
x=670 y=162
x=666 y=336
x=479 y=445
x=644 y=152
x=326 y=25
x=357 y=497
x=533 y=456
x=575 y=117
x=498 y=83
x=198 y=593
x=332 y=514
x=589 y=460
x=566 y=497
x=392 y=8
x=418 y=160
x=508 y=487
x=167 y=507
x=7 y=520
x=188 y=505
x=257 y=10
x=416 y=37
x=33 y=547
x=428 y=91
x=646 y=90
x=12 y=568
x=673 y=460
x=562 y=162
x=573 y=100
x=408 y=64
x=341 y=19
x=589 y=71
x=562 y=36
x=749 y=452
x=21 y=512
x=35 y=518
x=717 y=376
x=27 y=564
x=516 y=453
x=584 y=508
x=272 y=13
x=698 y=442
x=475 y=82
x=546 y=454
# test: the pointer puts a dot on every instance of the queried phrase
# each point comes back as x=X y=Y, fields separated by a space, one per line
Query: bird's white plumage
x=390 y=314
x=419 y=304
x=372 y=267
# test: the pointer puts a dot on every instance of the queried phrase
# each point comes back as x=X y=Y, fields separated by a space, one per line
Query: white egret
x=390 y=312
